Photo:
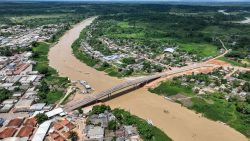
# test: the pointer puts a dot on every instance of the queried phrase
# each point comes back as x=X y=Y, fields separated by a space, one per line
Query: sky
x=185 y=1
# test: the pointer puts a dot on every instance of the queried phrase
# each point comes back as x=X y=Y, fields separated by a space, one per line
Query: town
x=131 y=58
x=22 y=36
x=125 y=71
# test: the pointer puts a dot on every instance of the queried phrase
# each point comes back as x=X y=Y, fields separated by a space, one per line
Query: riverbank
x=180 y=123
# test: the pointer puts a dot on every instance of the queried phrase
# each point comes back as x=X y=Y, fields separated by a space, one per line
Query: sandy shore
x=180 y=123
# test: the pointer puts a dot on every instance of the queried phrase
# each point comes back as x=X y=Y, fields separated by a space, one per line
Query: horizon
x=134 y=1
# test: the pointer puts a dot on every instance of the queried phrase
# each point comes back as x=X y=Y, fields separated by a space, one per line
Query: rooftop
x=42 y=131
x=30 y=122
x=7 y=132
x=54 y=112
x=25 y=131
x=15 y=122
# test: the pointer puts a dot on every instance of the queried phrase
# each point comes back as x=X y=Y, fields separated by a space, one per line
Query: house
x=42 y=131
x=54 y=112
x=7 y=132
x=25 y=131
x=30 y=122
x=16 y=122
x=95 y=133
x=37 y=106
x=6 y=108
x=23 y=104
x=169 y=50
x=130 y=130
x=68 y=126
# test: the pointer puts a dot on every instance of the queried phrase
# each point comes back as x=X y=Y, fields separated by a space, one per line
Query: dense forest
x=181 y=23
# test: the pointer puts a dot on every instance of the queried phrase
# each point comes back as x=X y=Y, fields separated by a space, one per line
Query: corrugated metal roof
x=42 y=131
x=54 y=112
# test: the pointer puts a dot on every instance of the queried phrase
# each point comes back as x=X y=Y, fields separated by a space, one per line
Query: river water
x=180 y=123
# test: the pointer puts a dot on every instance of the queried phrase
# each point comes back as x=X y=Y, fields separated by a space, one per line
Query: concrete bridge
x=106 y=93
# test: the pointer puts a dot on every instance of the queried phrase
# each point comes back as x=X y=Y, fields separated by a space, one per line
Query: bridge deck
x=94 y=97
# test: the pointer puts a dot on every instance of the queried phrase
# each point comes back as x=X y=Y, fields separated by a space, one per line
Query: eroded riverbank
x=180 y=123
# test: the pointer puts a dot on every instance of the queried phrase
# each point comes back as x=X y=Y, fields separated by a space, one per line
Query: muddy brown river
x=180 y=123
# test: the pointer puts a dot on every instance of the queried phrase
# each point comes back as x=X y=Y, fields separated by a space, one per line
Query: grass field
x=54 y=96
x=170 y=88
x=232 y=62
x=21 y=19
x=123 y=24
x=203 y=50
x=124 y=35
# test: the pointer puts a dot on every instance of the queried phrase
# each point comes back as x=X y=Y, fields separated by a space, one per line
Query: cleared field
x=204 y=50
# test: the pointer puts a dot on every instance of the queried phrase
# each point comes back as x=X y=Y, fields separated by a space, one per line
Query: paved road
x=90 y=99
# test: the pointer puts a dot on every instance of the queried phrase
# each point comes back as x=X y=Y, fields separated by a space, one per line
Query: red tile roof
x=21 y=68
x=57 y=126
x=15 y=122
x=25 y=131
x=54 y=135
x=67 y=123
x=32 y=122
x=64 y=122
x=59 y=138
x=66 y=134
x=7 y=132
x=70 y=126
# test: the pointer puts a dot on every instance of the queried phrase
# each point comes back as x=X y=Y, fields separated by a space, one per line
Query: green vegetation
x=128 y=61
x=147 y=132
x=4 y=94
x=170 y=88
x=57 y=84
x=244 y=76
x=98 y=109
x=80 y=54
x=233 y=112
x=90 y=61
x=203 y=50
x=232 y=62
x=41 y=117
x=73 y=136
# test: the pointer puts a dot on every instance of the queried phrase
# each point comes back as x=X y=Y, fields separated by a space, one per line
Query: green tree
x=73 y=136
x=243 y=107
x=34 y=44
x=112 y=125
x=4 y=94
x=248 y=99
x=100 y=109
x=41 y=117
x=44 y=87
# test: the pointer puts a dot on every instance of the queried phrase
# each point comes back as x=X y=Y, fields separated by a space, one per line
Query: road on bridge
x=98 y=96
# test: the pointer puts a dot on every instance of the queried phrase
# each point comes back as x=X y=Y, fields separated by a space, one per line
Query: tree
x=41 y=117
x=73 y=136
x=44 y=87
x=243 y=108
x=246 y=87
x=248 y=98
x=4 y=94
x=112 y=125
x=43 y=70
x=34 y=44
x=100 y=109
